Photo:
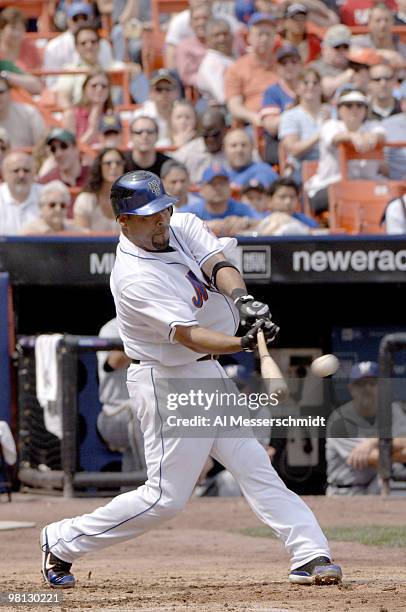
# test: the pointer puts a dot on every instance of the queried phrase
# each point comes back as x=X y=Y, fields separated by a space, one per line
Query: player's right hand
x=270 y=330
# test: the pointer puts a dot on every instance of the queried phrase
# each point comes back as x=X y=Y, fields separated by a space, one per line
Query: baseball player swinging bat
x=269 y=370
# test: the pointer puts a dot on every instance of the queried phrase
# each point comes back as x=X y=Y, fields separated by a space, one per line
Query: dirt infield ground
x=200 y=561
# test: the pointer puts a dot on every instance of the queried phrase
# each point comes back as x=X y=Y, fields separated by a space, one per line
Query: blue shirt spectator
x=238 y=149
x=233 y=208
x=277 y=97
x=217 y=202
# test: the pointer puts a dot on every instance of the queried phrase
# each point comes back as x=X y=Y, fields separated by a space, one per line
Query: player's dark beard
x=160 y=242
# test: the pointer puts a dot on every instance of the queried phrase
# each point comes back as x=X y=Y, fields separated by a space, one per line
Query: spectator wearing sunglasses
x=333 y=65
x=54 y=202
x=23 y=122
x=19 y=195
x=351 y=126
x=92 y=209
x=382 y=82
x=65 y=155
x=87 y=44
x=61 y=51
x=83 y=119
x=163 y=91
x=207 y=148
x=144 y=156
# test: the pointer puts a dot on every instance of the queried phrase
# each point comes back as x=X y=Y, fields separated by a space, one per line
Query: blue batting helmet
x=139 y=193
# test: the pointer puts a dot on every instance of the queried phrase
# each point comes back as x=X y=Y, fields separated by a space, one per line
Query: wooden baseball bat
x=269 y=370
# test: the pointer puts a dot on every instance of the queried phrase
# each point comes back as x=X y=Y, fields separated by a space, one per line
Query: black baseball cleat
x=317 y=571
x=56 y=572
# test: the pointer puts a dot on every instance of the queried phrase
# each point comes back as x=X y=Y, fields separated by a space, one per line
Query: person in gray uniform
x=352 y=451
x=117 y=423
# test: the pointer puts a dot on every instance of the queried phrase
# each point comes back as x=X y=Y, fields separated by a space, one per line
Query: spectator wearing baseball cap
x=333 y=65
x=352 y=445
x=60 y=51
x=111 y=131
x=65 y=155
x=254 y=194
x=395 y=130
x=280 y=96
x=163 y=91
x=248 y=77
x=224 y=215
x=350 y=126
x=294 y=32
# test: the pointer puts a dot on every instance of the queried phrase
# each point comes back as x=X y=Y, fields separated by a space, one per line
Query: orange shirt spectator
x=247 y=79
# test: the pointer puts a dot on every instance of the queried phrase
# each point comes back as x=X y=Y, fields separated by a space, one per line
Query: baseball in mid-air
x=326 y=365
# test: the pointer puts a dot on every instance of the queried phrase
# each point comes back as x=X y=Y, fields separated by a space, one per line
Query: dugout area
x=309 y=316
x=59 y=285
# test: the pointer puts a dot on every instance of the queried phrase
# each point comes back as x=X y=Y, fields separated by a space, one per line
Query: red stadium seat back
x=356 y=207
x=347 y=153
x=152 y=51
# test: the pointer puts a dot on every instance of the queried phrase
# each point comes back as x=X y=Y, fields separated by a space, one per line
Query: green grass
x=372 y=535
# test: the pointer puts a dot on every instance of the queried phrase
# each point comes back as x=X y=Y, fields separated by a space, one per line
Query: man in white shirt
x=395 y=216
x=61 y=51
x=210 y=76
x=22 y=122
x=19 y=195
x=180 y=28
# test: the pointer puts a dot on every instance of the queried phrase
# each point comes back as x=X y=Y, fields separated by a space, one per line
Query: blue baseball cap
x=212 y=171
x=364 y=369
x=287 y=50
x=79 y=8
x=261 y=18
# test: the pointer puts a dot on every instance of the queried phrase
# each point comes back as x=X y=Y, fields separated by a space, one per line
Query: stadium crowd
x=255 y=113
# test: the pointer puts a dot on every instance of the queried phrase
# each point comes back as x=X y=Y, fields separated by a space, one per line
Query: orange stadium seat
x=347 y=152
x=152 y=51
x=356 y=207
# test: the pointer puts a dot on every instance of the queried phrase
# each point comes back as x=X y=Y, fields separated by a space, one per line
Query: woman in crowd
x=92 y=209
x=14 y=46
x=54 y=202
x=299 y=130
x=350 y=126
x=183 y=122
x=84 y=118
x=175 y=178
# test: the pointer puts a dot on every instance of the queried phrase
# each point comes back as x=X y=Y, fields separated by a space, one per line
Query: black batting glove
x=249 y=341
x=251 y=309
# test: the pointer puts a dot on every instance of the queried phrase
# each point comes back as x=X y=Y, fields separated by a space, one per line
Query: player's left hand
x=251 y=310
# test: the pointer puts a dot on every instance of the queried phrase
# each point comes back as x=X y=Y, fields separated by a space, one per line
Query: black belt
x=204 y=358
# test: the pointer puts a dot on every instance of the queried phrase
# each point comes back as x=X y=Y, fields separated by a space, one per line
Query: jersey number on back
x=200 y=288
